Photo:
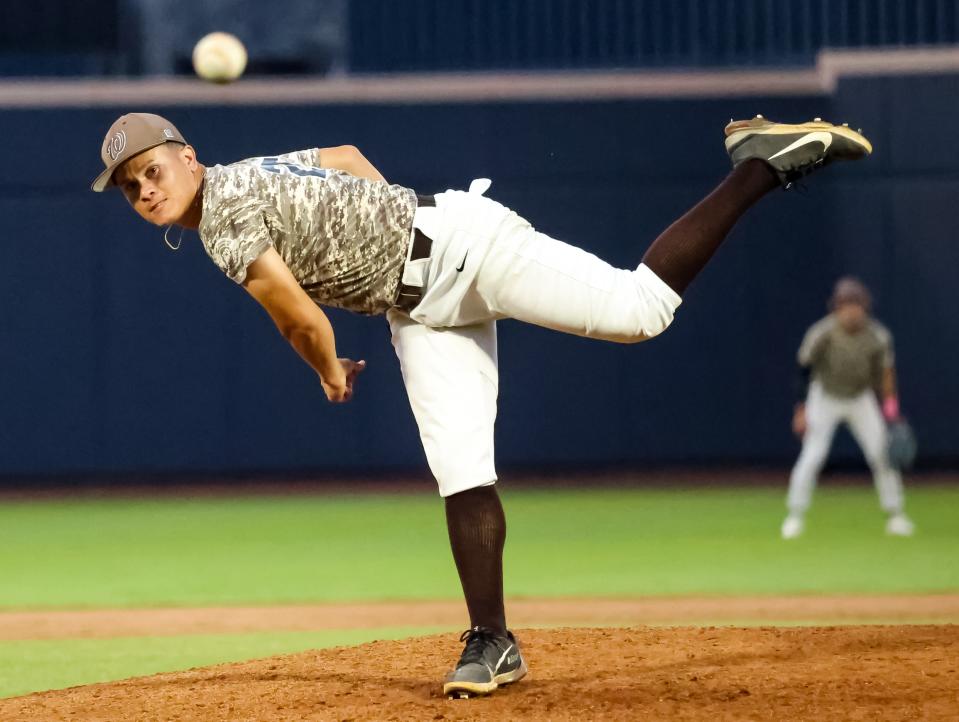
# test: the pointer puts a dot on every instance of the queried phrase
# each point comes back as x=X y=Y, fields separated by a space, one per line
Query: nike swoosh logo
x=499 y=663
x=819 y=136
x=463 y=264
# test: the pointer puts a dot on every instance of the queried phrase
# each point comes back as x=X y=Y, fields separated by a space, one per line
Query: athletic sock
x=684 y=249
x=477 y=529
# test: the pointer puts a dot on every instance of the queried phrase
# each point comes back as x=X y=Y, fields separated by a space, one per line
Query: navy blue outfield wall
x=119 y=355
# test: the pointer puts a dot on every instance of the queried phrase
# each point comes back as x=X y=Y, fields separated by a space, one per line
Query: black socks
x=477 y=529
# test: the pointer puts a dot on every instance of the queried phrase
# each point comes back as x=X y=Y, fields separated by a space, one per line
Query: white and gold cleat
x=793 y=150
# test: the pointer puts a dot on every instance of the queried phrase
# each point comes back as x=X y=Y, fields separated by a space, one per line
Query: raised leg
x=683 y=250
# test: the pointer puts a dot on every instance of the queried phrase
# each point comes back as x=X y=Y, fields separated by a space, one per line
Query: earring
x=179 y=240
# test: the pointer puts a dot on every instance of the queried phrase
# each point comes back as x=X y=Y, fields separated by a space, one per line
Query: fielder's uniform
x=441 y=268
x=845 y=370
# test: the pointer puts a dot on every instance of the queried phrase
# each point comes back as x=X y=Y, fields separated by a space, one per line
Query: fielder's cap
x=851 y=290
x=130 y=135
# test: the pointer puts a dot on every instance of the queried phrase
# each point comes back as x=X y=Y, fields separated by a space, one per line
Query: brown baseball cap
x=130 y=135
x=851 y=290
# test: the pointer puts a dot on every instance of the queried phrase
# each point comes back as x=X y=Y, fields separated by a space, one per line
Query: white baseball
x=219 y=58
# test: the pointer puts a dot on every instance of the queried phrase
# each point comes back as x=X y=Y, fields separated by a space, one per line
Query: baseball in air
x=219 y=58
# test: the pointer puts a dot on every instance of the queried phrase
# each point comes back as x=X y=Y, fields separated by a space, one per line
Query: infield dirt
x=849 y=672
x=709 y=673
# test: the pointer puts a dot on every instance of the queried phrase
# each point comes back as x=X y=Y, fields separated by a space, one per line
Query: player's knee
x=450 y=486
x=660 y=323
x=653 y=313
x=876 y=456
x=810 y=462
x=878 y=463
x=639 y=307
x=651 y=323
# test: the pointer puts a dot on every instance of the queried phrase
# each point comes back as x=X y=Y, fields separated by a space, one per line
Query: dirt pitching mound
x=727 y=673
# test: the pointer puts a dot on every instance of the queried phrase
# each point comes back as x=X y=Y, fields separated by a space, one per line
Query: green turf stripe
x=275 y=550
x=31 y=666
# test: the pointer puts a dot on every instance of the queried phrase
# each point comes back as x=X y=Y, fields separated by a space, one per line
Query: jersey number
x=275 y=165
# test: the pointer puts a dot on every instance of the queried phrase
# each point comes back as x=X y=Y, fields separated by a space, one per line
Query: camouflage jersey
x=344 y=238
x=846 y=364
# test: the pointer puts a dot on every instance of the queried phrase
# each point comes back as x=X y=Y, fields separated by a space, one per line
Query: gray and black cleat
x=793 y=151
x=488 y=661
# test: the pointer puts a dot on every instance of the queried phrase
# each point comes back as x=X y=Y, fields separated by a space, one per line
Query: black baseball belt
x=409 y=296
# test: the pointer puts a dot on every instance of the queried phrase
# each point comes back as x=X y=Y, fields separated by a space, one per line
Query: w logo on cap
x=130 y=135
x=116 y=144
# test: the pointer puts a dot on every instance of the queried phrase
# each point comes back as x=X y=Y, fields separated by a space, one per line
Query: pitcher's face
x=160 y=183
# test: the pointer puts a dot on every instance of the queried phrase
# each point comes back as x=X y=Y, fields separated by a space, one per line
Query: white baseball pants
x=823 y=415
x=488 y=263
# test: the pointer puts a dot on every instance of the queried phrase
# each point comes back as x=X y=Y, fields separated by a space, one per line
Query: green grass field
x=29 y=666
x=265 y=550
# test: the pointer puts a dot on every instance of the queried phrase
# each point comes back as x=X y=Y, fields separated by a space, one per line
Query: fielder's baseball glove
x=902 y=445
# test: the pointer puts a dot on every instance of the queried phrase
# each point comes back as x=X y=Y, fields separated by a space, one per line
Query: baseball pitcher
x=848 y=358
x=321 y=227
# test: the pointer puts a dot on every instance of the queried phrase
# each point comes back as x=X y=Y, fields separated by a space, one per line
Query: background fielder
x=322 y=227
x=848 y=356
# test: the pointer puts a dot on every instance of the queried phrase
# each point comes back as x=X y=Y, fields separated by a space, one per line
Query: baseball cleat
x=792 y=526
x=900 y=525
x=793 y=151
x=488 y=661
